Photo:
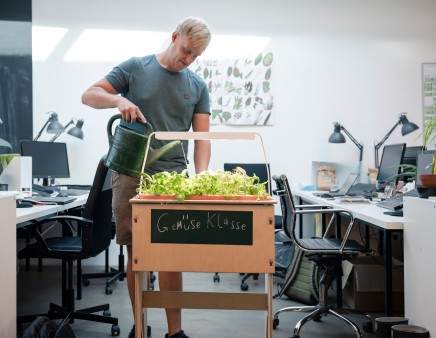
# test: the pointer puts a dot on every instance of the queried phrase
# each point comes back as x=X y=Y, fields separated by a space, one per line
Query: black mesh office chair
x=327 y=252
x=92 y=236
x=261 y=170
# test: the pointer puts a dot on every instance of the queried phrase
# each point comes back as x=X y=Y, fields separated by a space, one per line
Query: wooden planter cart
x=202 y=236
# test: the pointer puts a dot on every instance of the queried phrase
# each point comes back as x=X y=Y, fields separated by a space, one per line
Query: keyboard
x=396 y=202
x=41 y=190
x=362 y=189
x=76 y=192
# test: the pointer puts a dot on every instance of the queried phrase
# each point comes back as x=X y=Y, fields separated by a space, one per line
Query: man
x=161 y=90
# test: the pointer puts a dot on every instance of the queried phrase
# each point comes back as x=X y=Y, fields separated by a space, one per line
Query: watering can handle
x=119 y=116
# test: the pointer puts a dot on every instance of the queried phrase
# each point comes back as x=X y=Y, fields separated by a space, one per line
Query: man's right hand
x=129 y=111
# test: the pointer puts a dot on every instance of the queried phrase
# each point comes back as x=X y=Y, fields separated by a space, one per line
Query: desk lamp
x=75 y=131
x=4 y=143
x=407 y=128
x=52 y=124
x=337 y=137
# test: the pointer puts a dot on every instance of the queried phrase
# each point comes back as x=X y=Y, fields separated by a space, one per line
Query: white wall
x=356 y=62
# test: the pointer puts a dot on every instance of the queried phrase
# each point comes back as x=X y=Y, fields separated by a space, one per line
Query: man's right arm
x=103 y=95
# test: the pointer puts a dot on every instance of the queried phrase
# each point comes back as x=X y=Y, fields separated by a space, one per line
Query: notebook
x=52 y=200
x=345 y=187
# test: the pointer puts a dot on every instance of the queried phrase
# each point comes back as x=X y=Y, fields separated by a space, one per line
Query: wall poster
x=428 y=90
x=240 y=90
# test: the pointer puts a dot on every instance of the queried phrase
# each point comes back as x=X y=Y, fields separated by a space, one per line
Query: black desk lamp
x=75 y=131
x=52 y=124
x=4 y=143
x=407 y=128
x=337 y=137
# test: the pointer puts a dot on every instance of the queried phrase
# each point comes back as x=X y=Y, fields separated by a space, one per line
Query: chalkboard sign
x=202 y=227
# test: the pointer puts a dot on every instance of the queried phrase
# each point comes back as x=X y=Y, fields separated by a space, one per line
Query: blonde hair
x=196 y=29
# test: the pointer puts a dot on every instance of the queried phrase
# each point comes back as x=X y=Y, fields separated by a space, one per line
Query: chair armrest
x=84 y=224
x=332 y=211
x=308 y=206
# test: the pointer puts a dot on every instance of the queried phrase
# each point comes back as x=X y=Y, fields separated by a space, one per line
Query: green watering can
x=127 y=149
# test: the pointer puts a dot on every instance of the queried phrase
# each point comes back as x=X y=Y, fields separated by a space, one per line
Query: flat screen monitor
x=391 y=160
x=49 y=159
x=411 y=155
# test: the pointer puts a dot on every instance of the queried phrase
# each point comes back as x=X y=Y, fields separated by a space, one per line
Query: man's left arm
x=202 y=148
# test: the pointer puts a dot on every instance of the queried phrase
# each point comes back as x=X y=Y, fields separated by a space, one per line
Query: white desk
x=37 y=211
x=371 y=215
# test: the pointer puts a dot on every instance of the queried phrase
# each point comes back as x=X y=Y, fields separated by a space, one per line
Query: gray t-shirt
x=168 y=101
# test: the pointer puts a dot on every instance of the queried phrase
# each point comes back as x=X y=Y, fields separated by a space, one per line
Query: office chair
x=261 y=170
x=327 y=252
x=112 y=274
x=92 y=236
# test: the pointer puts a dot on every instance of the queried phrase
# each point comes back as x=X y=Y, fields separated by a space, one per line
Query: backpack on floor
x=42 y=327
x=301 y=280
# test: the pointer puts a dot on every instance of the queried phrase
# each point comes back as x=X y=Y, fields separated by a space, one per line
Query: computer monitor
x=49 y=160
x=391 y=160
x=411 y=155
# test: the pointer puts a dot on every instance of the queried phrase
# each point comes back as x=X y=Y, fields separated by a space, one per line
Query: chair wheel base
x=276 y=322
x=367 y=327
x=115 y=330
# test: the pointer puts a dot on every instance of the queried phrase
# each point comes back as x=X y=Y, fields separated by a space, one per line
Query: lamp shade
x=54 y=125
x=337 y=136
x=4 y=143
x=77 y=131
x=408 y=126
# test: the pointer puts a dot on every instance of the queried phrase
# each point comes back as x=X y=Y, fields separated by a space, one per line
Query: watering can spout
x=155 y=154
x=128 y=147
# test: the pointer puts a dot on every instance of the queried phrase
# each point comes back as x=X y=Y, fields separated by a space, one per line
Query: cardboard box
x=363 y=284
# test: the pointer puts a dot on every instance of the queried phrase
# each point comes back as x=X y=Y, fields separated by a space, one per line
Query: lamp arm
x=42 y=129
x=65 y=128
x=358 y=145
x=377 y=146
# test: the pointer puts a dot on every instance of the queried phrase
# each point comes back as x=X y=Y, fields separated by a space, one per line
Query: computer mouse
x=62 y=194
x=23 y=204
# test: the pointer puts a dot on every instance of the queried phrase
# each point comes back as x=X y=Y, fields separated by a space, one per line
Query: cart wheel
x=107 y=313
x=108 y=290
x=276 y=322
x=86 y=282
x=148 y=331
x=244 y=287
x=317 y=319
x=216 y=278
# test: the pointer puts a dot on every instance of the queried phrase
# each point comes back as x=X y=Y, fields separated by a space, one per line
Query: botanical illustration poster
x=429 y=90
x=240 y=90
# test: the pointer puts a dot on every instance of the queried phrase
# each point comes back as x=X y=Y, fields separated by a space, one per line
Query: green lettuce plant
x=223 y=183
